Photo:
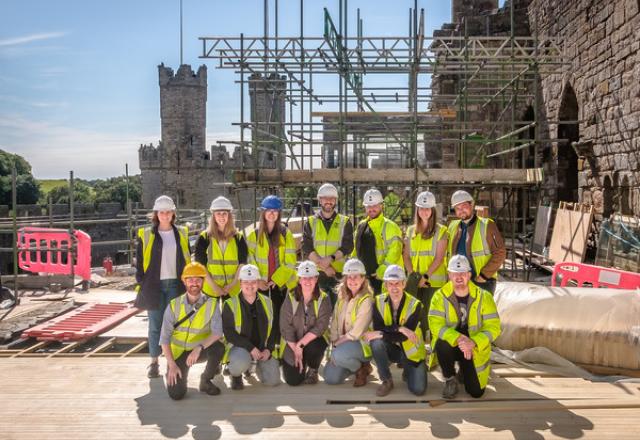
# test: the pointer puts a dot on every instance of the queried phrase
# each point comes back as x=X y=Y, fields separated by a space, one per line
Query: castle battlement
x=184 y=77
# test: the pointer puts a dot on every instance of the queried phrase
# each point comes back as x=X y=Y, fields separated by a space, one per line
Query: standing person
x=162 y=251
x=478 y=239
x=392 y=204
x=425 y=248
x=191 y=333
x=397 y=336
x=351 y=318
x=273 y=250
x=304 y=321
x=464 y=322
x=247 y=320
x=327 y=238
x=378 y=241
x=222 y=250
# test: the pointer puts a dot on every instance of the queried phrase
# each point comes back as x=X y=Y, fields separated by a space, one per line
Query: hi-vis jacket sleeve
x=490 y=329
x=437 y=322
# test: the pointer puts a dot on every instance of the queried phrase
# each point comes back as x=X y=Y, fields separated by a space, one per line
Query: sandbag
x=584 y=325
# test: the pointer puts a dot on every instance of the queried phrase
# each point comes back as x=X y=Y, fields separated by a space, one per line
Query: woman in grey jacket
x=304 y=321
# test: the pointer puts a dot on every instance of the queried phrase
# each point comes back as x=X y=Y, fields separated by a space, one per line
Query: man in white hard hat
x=327 y=239
x=397 y=335
x=478 y=239
x=378 y=240
x=247 y=320
x=464 y=321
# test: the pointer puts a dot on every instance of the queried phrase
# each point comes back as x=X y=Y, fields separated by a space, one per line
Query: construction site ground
x=99 y=389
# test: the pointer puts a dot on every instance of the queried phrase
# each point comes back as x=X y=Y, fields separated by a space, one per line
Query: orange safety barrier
x=596 y=276
x=49 y=250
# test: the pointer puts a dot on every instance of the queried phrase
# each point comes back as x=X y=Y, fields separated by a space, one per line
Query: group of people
x=363 y=294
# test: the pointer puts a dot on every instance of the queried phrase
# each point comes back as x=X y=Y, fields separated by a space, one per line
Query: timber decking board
x=71 y=398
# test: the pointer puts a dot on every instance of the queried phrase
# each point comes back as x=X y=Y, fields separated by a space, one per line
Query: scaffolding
x=440 y=141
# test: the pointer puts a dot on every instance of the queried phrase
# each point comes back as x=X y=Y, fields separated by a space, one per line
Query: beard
x=327 y=208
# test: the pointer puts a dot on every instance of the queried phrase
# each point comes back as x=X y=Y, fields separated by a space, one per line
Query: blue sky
x=79 y=81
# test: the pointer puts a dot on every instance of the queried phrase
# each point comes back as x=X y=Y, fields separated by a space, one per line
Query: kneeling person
x=464 y=322
x=304 y=320
x=397 y=336
x=191 y=332
x=247 y=320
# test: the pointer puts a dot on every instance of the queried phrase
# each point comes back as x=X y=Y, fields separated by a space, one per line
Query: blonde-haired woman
x=351 y=319
x=425 y=249
x=222 y=249
x=162 y=252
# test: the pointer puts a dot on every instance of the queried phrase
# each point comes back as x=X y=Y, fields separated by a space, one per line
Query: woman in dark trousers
x=304 y=321
x=162 y=251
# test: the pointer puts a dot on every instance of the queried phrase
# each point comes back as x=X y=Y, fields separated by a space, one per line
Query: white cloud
x=30 y=38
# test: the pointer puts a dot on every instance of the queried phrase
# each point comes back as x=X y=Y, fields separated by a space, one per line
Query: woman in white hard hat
x=425 y=248
x=351 y=319
x=304 y=321
x=222 y=249
x=162 y=251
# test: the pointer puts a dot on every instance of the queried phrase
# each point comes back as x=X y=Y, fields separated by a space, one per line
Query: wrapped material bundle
x=584 y=325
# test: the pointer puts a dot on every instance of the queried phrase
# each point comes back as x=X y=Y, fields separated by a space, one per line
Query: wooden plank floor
x=70 y=398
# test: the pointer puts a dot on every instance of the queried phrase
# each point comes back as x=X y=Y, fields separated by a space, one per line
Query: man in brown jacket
x=478 y=239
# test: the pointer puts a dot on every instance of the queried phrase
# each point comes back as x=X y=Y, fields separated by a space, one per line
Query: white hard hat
x=164 y=203
x=221 y=204
x=459 y=264
x=394 y=273
x=249 y=272
x=328 y=190
x=307 y=269
x=372 y=197
x=426 y=200
x=354 y=266
x=460 y=196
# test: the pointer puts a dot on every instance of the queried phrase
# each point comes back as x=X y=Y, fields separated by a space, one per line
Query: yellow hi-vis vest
x=414 y=352
x=483 y=322
x=423 y=251
x=294 y=305
x=480 y=251
x=194 y=330
x=391 y=205
x=285 y=273
x=388 y=243
x=236 y=308
x=148 y=237
x=222 y=266
x=366 y=348
x=327 y=243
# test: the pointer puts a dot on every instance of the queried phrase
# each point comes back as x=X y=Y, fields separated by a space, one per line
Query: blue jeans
x=168 y=291
x=386 y=352
x=346 y=359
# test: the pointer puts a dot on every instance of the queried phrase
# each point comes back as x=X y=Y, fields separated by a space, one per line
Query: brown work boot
x=362 y=374
x=311 y=378
x=236 y=383
x=153 y=370
x=385 y=388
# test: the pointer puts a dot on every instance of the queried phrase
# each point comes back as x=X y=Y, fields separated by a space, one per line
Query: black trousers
x=489 y=285
x=328 y=285
x=376 y=284
x=212 y=354
x=312 y=355
x=277 y=295
x=425 y=294
x=448 y=356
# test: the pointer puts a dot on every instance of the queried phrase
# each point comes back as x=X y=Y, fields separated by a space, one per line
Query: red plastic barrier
x=82 y=323
x=596 y=276
x=49 y=250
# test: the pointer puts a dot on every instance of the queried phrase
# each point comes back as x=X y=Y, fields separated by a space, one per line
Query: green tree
x=114 y=190
x=82 y=193
x=27 y=188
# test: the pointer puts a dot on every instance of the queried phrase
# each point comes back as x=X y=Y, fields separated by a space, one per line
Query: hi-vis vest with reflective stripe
x=414 y=352
x=480 y=251
x=483 y=322
x=295 y=304
x=194 y=330
x=148 y=237
x=285 y=274
x=236 y=308
x=388 y=243
x=327 y=243
x=423 y=252
x=222 y=266
x=366 y=348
